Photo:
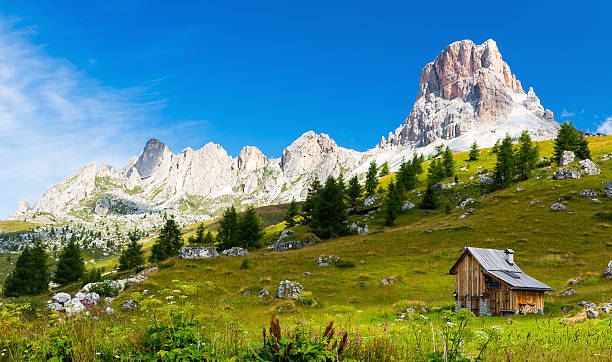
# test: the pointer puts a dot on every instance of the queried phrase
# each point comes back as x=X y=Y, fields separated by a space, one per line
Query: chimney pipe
x=510 y=256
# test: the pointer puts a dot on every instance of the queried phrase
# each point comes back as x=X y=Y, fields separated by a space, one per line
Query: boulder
x=557 y=207
x=198 y=252
x=568 y=292
x=407 y=206
x=589 y=193
x=102 y=206
x=356 y=229
x=369 y=201
x=289 y=290
x=592 y=313
x=567 y=157
x=91 y=299
x=128 y=304
x=606 y=308
x=235 y=251
x=326 y=260
x=589 y=167
x=608 y=189
x=608 y=272
x=566 y=173
x=74 y=306
x=285 y=234
x=61 y=298
x=286 y=245
x=485 y=180
x=54 y=306
x=388 y=280
x=264 y=293
x=466 y=202
x=80 y=295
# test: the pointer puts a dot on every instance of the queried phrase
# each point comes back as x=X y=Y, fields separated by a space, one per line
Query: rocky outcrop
x=567 y=157
x=198 y=252
x=566 y=173
x=22 y=209
x=68 y=193
x=466 y=88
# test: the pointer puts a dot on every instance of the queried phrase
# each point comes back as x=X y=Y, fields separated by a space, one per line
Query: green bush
x=107 y=288
x=245 y=263
x=92 y=276
x=177 y=340
x=344 y=264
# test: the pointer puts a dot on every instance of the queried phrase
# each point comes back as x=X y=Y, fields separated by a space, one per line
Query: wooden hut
x=488 y=282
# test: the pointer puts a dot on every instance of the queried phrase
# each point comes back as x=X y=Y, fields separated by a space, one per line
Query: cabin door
x=476 y=306
x=493 y=303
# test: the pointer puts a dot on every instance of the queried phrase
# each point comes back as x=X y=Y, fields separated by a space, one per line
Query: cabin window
x=493 y=285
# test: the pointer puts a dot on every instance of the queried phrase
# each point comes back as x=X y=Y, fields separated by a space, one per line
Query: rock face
x=69 y=192
x=468 y=89
x=22 y=208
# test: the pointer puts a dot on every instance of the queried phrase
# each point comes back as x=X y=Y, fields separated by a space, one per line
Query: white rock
x=61 y=298
x=567 y=157
x=557 y=207
x=589 y=167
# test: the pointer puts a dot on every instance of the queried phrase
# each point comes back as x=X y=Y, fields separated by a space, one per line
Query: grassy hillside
x=553 y=247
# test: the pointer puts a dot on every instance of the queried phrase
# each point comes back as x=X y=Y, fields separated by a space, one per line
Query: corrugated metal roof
x=523 y=281
x=493 y=259
x=494 y=262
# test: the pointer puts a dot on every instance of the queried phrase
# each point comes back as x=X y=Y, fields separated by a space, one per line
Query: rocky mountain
x=469 y=93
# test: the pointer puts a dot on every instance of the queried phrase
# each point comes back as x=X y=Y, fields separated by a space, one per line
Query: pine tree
x=249 y=229
x=449 y=162
x=526 y=157
x=30 y=275
x=371 y=182
x=132 y=256
x=430 y=198
x=495 y=148
x=570 y=139
x=228 y=235
x=474 y=154
x=313 y=192
x=70 y=266
x=341 y=183
x=384 y=169
x=354 y=191
x=329 y=215
x=392 y=205
x=199 y=239
x=436 y=172
x=504 y=168
x=407 y=176
x=209 y=239
x=169 y=242
x=292 y=212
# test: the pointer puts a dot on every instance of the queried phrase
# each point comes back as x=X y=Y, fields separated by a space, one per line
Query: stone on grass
x=568 y=292
x=325 y=260
x=198 y=252
x=566 y=173
x=608 y=188
x=235 y=251
x=567 y=157
x=466 y=202
x=356 y=229
x=589 y=167
x=54 y=306
x=264 y=293
x=407 y=206
x=589 y=193
x=128 y=304
x=592 y=313
x=289 y=290
x=388 y=280
x=369 y=201
x=61 y=298
x=608 y=272
x=557 y=207
x=286 y=245
x=485 y=180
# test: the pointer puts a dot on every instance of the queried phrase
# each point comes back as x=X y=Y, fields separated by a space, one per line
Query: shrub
x=344 y=264
x=245 y=263
x=177 y=340
x=106 y=288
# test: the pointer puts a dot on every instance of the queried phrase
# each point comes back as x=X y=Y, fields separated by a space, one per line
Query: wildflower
x=450 y=324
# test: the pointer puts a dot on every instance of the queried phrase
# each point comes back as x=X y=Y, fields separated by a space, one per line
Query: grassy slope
x=550 y=246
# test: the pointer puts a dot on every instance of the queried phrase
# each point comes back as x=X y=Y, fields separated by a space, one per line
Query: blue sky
x=82 y=82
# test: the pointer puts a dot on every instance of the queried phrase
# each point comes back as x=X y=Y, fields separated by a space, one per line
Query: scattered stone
x=264 y=293
x=286 y=245
x=289 y=290
x=592 y=313
x=198 y=252
x=356 y=229
x=326 y=260
x=557 y=207
x=407 y=206
x=582 y=303
x=466 y=202
x=589 y=193
x=286 y=307
x=533 y=202
x=564 y=198
x=606 y=157
x=485 y=180
x=235 y=251
x=596 y=200
x=307 y=273
x=109 y=310
x=61 y=298
x=467 y=213
x=520 y=188
x=589 y=167
x=463 y=169
x=80 y=295
x=369 y=201
x=145 y=292
x=568 y=292
x=566 y=173
x=388 y=280
x=606 y=308
x=90 y=299
x=285 y=234
x=128 y=304
x=574 y=282
x=608 y=272
x=608 y=189
x=54 y=306
x=567 y=157
x=246 y=292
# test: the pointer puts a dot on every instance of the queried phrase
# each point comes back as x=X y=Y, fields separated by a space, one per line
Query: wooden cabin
x=488 y=282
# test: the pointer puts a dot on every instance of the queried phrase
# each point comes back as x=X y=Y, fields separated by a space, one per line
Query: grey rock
x=608 y=189
x=286 y=245
x=466 y=202
x=608 y=272
x=407 y=206
x=589 y=193
x=129 y=304
x=80 y=295
x=264 y=293
x=567 y=157
x=574 y=282
x=91 y=299
x=369 y=201
x=568 y=292
x=54 y=306
x=534 y=202
x=557 y=207
x=289 y=290
x=388 y=280
x=566 y=173
x=285 y=234
x=326 y=260
x=109 y=310
x=61 y=298
x=235 y=251
x=592 y=313
x=485 y=180
x=102 y=206
x=589 y=167
x=74 y=306
x=605 y=308
x=198 y=252
x=582 y=303
x=356 y=229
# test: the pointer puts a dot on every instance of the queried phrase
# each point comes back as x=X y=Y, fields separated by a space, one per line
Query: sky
x=82 y=82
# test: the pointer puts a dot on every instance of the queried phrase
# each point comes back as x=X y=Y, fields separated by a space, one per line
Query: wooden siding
x=469 y=280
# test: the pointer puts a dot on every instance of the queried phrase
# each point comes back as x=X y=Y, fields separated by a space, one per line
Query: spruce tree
x=384 y=169
x=474 y=154
x=209 y=239
x=430 y=198
x=169 y=242
x=70 y=266
x=504 y=168
x=30 y=275
x=449 y=162
x=313 y=192
x=249 y=229
x=354 y=191
x=199 y=239
x=132 y=256
x=436 y=172
x=526 y=157
x=329 y=215
x=371 y=182
x=392 y=205
x=228 y=235
x=292 y=212
x=570 y=139
x=495 y=147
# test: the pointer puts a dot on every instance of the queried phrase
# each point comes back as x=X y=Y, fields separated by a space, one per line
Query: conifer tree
x=70 y=266
x=392 y=205
x=354 y=191
x=570 y=139
x=199 y=239
x=371 y=182
x=495 y=148
x=313 y=191
x=228 y=235
x=474 y=154
x=209 y=239
x=430 y=198
x=384 y=169
x=504 y=168
x=30 y=275
x=526 y=157
x=292 y=212
x=169 y=242
x=436 y=172
x=329 y=215
x=407 y=176
x=249 y=229
x=132 y=256
x=449 y=162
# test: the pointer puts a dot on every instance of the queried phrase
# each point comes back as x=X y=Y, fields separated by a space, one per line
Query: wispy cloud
x=567 y=114
x=54 y=118
x=606 y=126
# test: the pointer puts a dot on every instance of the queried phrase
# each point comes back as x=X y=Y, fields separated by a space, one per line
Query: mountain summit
x=468 y=90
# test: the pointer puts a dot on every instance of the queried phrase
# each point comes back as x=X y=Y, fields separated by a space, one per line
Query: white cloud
x=566 y=114
x=606 y=126
x=54 y=119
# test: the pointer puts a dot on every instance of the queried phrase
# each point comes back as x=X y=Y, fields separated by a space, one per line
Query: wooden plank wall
x=469 y=279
